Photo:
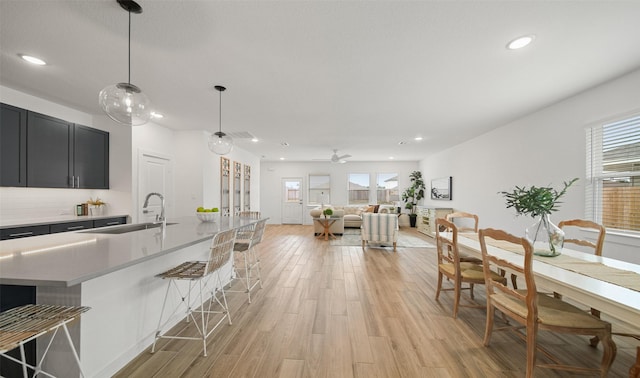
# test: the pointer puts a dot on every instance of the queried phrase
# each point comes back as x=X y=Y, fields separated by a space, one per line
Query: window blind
x=613 y=172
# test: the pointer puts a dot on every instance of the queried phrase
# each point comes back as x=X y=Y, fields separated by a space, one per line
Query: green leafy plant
x=327 y=212
x=535 y=200
x=414 y=193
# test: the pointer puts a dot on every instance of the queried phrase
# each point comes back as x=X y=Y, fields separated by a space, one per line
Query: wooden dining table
x=609 y=285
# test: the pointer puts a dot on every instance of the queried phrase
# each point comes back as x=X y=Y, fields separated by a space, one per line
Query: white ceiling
x=357 y=76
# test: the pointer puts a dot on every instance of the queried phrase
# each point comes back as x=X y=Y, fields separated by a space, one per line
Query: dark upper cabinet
x=49 y=152
x=13 y=146
x=91 y=158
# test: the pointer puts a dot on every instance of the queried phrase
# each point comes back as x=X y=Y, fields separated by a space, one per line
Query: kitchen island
x=114 y=274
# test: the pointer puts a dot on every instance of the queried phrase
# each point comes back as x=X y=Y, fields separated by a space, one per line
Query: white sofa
x=352 y=215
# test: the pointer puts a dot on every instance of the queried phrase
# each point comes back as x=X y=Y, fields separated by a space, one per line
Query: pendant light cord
x=220 y=114
x=129 y=62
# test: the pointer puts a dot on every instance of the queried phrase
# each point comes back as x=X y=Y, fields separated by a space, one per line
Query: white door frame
x=291 y=212
x=168 y=196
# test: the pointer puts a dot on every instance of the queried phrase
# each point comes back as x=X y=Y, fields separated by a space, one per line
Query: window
x=387 y=188
x=613 y=171
x=358 y=188
x=319 y=189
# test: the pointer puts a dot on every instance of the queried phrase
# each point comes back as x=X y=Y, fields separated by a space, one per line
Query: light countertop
x=70 y=258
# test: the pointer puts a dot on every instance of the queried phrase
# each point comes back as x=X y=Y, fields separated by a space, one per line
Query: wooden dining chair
x=571 y=228
x=457 y=271
x=571 y=225
x=466 y=222
x=536 y=311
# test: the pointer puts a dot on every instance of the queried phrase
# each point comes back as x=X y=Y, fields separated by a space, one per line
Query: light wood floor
x=336 y=311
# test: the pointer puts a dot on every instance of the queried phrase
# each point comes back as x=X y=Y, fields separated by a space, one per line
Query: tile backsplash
x=33 y=203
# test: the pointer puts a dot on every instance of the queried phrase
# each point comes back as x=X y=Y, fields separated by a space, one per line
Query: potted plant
x=539 y=202
x=413 y=194
x=96 y=206
x=327 y=213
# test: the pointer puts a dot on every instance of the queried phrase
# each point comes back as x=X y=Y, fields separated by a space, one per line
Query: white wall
x=272 y=174
x=198 y=180
x=544 y=148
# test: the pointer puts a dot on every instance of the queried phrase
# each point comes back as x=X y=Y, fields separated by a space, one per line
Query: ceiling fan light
x=220 y=143
x=126 y=104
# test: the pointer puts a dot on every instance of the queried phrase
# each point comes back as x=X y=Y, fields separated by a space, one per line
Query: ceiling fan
x=335 y=158
x=339 y=159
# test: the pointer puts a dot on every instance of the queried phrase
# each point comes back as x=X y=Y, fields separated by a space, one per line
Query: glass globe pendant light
x=124 y=102
x=219 y=142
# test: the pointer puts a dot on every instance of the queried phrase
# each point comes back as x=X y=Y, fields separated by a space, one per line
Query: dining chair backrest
x=447 y=244
x=491 y=261
x=258 y=232
x=250 y=214
x=466 y=222
x=220 y=252
x=574 y=224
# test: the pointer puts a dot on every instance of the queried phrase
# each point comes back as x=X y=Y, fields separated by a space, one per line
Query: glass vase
x=546 y=238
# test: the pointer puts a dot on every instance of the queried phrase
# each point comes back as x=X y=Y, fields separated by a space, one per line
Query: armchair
x=379 y=228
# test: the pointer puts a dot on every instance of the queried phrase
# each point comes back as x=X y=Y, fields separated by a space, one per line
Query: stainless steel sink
x=125 y=228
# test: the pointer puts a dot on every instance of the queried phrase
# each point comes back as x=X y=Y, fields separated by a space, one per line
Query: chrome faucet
x=161 y=217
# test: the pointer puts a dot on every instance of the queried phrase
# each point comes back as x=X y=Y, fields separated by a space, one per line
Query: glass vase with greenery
x=539 y=202
x=413 y=194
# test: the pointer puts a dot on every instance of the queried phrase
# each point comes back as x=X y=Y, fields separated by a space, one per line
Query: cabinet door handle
x=73 y=181
x=78 y=186
x=21 y=234
x=75 y=228
x=112 y=223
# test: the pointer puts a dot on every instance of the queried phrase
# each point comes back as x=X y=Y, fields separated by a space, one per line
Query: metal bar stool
x=25 y=323
x=199 y=276
x=245 y=245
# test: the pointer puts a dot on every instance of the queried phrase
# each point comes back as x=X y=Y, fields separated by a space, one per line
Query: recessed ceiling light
x=391 y=158
x=402 y=143
x=418 y=138
x=254 y=140
x=156 y=115
x=33 y=60
x=520 y=42
x=281 y=158
x=284 y=144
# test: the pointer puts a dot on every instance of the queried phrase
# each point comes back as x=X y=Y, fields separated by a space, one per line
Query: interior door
x=155 y=175
x=292 y=201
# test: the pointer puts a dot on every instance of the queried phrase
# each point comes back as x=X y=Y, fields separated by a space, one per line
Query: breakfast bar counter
x=113 y=272
x=70 y=258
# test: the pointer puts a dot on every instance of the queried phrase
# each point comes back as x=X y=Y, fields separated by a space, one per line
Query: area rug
x=351 y=237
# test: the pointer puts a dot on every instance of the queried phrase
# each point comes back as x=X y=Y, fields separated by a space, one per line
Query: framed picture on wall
x=441 y=188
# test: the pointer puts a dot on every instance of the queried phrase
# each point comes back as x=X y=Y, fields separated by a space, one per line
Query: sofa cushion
x=352 y=210
x=315 y=212
x=352 y=218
